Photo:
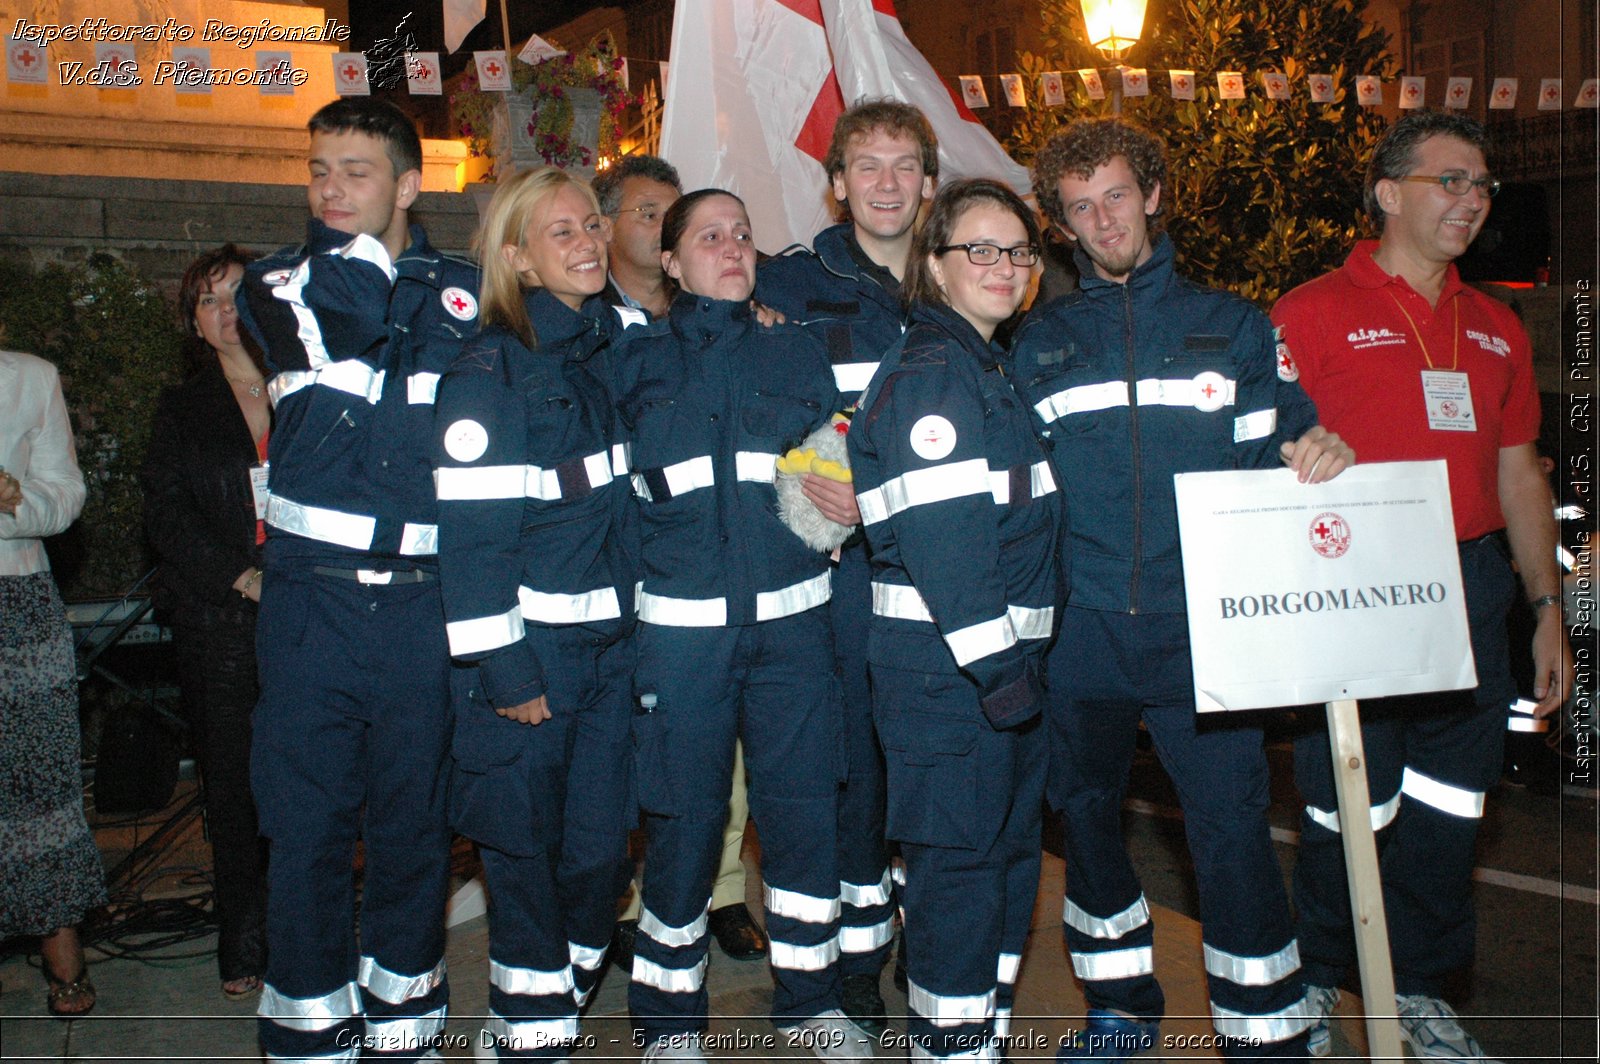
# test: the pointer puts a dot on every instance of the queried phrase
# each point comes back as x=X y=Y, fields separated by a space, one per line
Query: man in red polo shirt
x=1406 y=364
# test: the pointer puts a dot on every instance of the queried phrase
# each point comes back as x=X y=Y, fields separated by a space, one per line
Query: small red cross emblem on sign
x=1589 y=92
x=424 y=71
x=1457 y=92
x=1182 y=83
x=1322 y=530
x=1231 y=84
x=493 y=69
x=1504 y=92
x=1411 y=90
x=350 y=72
x=26 y=58
x=1320 y=86
x=1550 y=93
x=114 y=61
x=1134 y=80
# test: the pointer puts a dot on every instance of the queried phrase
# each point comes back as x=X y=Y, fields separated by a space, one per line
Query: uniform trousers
x=770 y=684
x=1430 y=759
x=549 y=805
x=964 y=804
x=1107 y=672
x=350 y=741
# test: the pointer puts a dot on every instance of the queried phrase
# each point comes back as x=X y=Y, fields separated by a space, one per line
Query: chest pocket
x=780 y=418
x=1070 y=395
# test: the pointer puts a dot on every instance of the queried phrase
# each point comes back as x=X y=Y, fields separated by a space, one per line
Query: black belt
x=386 y=577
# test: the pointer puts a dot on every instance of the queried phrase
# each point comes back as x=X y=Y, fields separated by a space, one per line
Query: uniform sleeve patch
x=273 y=278
x=459 y=304
x=466 y=440
x=933 y=437
x=1287 y=370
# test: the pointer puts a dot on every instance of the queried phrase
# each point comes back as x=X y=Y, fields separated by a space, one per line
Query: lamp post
x=1114 y=27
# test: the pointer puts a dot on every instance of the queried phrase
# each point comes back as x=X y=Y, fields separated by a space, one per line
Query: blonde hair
x=516 y=200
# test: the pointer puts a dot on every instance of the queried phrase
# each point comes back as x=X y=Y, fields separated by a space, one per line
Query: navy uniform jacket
x=535 y=516
x=1133 y=383
x=962 y=511
x=711 y=402
x=357 y=344
x=841 y=296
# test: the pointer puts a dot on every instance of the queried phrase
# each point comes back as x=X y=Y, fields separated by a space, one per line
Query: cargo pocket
x=652 y=767
x=933 y=778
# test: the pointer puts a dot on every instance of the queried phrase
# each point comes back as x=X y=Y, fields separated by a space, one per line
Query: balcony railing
x=1544 y=146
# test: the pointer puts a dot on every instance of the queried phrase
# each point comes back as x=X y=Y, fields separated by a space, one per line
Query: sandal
x=69 y=1000
x=243 y=987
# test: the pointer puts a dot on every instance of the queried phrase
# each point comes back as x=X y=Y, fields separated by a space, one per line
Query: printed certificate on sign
x=1303 y=593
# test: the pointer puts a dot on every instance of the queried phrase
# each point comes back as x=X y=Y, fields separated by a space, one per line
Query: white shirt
x=35 y=447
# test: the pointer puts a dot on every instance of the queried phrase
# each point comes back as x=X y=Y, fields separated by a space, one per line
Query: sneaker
x=1320 y=1001
x=1110 y=1037
x=860 y=1000
x=832 y=1035
x=681 y=1045
x=1432 y=1029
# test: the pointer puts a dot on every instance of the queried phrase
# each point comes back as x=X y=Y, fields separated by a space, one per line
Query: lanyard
x=1455 y=336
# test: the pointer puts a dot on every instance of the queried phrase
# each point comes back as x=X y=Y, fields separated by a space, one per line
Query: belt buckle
x=374 y=576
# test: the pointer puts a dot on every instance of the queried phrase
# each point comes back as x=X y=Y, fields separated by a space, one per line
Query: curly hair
x=1084 y=147
x=1396 y=153
x=891 y=116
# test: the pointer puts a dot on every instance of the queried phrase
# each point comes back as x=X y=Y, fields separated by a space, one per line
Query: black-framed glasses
x=989 y=254
x=648 y=215
x=1458 y=184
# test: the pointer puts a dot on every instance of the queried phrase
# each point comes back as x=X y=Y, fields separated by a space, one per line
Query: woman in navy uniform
x=538 y=574
x=962 y=513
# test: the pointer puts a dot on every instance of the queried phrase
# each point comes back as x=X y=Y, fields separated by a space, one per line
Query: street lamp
x=1114 y=27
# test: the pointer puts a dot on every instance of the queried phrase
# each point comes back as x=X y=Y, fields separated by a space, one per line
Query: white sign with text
x=1304 y=593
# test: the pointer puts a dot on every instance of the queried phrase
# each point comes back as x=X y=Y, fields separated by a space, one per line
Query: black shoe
x=861 y=1002
x=900 y=982
x=737 y=933
x=622 y=938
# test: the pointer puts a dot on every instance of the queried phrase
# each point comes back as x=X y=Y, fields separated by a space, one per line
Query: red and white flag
x=1011 y=85
x=1588 y=93
x=1458 y=92
x=422 y=74
x=1276 y=84
x=1135 y=82
x=494 y=73
x=1092 y=84
x=1413 y=92
x=537 y=50
x=350 y=74
x=26 y=62
x=1322 y=88
x=459 y=18
x=1369 y=90
x=280 y=68
x=1550 y=94
x=194 y=62
x=1051 y=88
x=1503 y=94
x=1182 y=84
x=973 y=94
x=1230 y=85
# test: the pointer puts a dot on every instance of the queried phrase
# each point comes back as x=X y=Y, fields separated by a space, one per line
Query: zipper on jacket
x=1133 y=423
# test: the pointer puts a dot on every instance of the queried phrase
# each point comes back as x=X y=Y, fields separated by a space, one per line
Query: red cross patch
x=458 y=302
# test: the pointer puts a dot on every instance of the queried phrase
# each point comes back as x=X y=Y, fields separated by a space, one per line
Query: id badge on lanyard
x=1449 y=400
x=258 y=489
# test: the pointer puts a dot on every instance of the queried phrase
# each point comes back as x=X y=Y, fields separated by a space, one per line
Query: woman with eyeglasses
x=962 y=513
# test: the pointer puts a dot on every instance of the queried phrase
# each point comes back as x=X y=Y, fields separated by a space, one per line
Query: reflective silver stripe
x=353 y=1053
x=532 y=1034
x=1187 y=392
x=1445 y=797
x=919 y=487
x=552 y=608
x=681 y=612
x=288 y=382
x=899 y=600
x=308 y=330
x=1086 y=398
x=478 y=634
x=982 y=639
x=1007 y=969
x=1041 y=482
x=949 y=1011
x=755 y=465
x=796 y=598
x=1256 y=425
x=1032 y=622
x=853 y=376
x=681 y=477
x=394 y=987
x=1253 y=971
x=807 y=908
x=309 y=1014
x=803 y=958
x=897 y=873
x=671 y=980
x=687 y=935
x=471 y=483
x=545 y=484
x=866 y=939
x=405 y=1032
x=531 y=981
x=1115 y=964
x=862 y=895
x=1002 y=1023
x=582 y=996
x=984 y=1054
x=589 y=958
x=419 y=539
x=621 y=455
x=1106 y=927
x=1382 y=815
x=330 y=526
x=369 y=249
x=422 y=388
x=1268 y=1027
x=351 y=376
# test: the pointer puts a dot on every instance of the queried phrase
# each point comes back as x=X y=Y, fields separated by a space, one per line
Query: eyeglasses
x=647 y=215
x=989 y=254
x=1458 y=184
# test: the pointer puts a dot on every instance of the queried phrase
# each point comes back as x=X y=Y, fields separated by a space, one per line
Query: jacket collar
x=579 y=332
x=418 y=262
x=1152 y=275
x=1364 y=272
x=697 y=318
x=947 y=320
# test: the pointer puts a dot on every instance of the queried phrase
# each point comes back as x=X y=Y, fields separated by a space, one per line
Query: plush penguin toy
x=823 y=453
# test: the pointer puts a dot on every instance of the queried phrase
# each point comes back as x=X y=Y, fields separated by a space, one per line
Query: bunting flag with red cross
x=1503 y=94
x=1458 y=93
x=1322 y=88
x=1413 y=92
x=1135 y=81
x=494 y=72
x=26 y=62
x=350 y=74
x=422 y=74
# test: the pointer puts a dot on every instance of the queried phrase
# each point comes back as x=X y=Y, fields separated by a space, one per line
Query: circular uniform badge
x=1210 y=391
x=1329 y=534
x=458 y=302
x=466 y=440
x=933 y=437
x=275 y=277
x=1287 y=370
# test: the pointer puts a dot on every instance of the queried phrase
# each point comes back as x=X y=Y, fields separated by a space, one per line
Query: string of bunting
x=1232 y=84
